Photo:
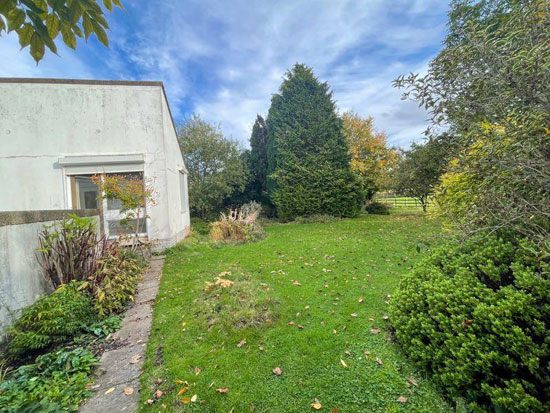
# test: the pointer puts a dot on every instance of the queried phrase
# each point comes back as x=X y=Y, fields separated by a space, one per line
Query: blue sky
x=224 y=59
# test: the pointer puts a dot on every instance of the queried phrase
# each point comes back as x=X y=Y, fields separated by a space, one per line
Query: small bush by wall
x=52 y=319
x=477 y=316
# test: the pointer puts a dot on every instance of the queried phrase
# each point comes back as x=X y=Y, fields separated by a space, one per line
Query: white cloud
x=224 y=60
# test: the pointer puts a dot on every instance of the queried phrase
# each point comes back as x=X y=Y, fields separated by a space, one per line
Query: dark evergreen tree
x=308 y=161
x=258 y=154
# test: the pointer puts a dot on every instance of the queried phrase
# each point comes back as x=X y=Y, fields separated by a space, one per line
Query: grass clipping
x=239 y=225
x=240 y=302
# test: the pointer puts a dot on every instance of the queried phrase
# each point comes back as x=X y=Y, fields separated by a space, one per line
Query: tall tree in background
x=371 y=159
x=258 y=154
x=490 y=85
x=39 y=22
x=215 y=165
x=308 y=161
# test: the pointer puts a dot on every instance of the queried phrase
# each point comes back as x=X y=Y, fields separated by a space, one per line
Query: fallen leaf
x=183 y=391
x=291 y=323
x=379 y=360
x=367 y=352
x=307 y=307
x=128 y=390
x=335 y=410
x=375 y=330
x=360 y=300
x=295 y=282
x=197 y=371
x=186 y=400
x=348 y=353
x=112 y=389
x=354 y=315
x=402 y=399
x=149 y=401
x=223 y=390
x=385 y=318
x=158 y=394
x=317 y=405
x=413 y=381
x=277 y=371
x=261 y=348
x=300 y=326
x=194 y=398
x=135 y=359
x=343 y=363
x=241 y=343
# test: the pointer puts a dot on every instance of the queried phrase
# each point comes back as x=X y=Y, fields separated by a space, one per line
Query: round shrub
x=377 y=208
x=52 y=319
x=477 y=316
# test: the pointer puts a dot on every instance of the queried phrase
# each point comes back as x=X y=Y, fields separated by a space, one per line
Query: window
x=86 y=193
x=183 y=192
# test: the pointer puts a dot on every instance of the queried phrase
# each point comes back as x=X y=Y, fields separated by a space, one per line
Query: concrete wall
x=40 y=123
x=22 y=279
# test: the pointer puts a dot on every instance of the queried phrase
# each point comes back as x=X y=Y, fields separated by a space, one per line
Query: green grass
x=336 y=264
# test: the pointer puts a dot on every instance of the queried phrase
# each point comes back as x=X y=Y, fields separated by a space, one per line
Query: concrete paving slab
x=120 y=368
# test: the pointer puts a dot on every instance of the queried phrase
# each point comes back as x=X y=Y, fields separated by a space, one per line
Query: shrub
x=57 y=381
x=477 y=316
x=200 y=226
x=377 y=208
x=238 y=225
x=52 y=319
x=114 y=282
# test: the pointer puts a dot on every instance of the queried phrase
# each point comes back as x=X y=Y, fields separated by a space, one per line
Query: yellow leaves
x=316 y=405
x=197 y=371
x=343 y=363
x=218 y=282
x=183 y=391
x=110 y=390
x=223 y=390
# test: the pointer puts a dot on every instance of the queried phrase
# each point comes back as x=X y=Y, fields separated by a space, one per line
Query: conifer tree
x=308 y=160
x=258 y=154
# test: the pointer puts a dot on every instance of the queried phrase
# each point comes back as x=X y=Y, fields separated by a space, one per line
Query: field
x=294 y=320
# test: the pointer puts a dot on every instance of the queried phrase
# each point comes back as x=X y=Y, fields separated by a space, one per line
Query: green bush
x=377 y=208
x=52 y=319
x=477 y=316
x=114 y=283
x=56 y=382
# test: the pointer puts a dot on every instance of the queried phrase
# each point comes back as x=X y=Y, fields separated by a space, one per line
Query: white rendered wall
x=40 y=123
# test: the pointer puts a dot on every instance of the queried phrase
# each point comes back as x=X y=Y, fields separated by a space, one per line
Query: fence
x=401 y=201
x=21 y=276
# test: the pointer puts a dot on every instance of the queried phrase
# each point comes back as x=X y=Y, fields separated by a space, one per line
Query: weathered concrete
x=28 y=217
x=54 y=129
x=22 y=279
x=120 y=368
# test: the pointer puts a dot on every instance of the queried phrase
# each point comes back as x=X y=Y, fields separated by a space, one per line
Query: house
x=55 y=134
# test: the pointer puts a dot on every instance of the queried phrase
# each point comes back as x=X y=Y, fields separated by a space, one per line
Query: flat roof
x=80 y=81
x=38 y=80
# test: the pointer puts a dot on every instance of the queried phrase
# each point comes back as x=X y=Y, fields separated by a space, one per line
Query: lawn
x=309 y=299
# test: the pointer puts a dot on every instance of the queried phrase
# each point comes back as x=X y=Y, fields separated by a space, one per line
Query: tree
x=135 y=195
x=258 y=154
x=214 y=163
x=490 y=85
x=419 y=172
x=371 y=159
x=308 y=159
x=39 y=22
